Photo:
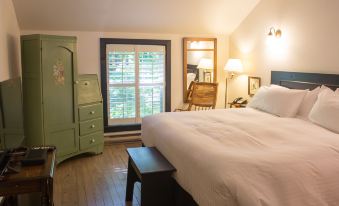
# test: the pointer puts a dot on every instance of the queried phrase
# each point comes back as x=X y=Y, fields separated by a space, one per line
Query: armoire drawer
x=91 y=140
x=90 y=112
x=91 y=126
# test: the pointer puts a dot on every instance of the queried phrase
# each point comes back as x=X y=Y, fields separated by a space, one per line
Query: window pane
x=151 y=100
x=151 y=67
x=122 y=102
x=121 y=67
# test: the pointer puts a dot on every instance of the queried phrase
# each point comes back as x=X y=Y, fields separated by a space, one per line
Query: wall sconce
x=274 y=32
x=276 y=44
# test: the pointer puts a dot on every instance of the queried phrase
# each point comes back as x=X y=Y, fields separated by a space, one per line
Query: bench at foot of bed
x=148 y=166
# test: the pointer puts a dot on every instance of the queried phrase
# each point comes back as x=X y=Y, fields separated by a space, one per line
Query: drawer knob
x=76 y=82
x=92 y=126
x=92 y=112
x=86 y=83
x=92 y=140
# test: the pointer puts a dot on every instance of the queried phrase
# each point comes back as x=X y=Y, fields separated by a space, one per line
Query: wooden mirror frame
x=186 y=50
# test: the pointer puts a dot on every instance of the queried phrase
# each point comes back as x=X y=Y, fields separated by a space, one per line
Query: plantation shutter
x=136 y=82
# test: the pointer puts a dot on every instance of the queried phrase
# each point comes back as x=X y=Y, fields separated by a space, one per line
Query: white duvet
x=244 y=157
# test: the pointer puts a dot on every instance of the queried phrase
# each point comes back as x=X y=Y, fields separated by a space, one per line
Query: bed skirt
x=181 y=197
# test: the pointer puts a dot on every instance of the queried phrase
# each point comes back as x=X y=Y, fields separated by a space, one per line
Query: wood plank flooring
x=95 y=180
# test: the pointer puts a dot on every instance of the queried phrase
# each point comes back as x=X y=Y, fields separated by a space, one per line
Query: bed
x=241 y=157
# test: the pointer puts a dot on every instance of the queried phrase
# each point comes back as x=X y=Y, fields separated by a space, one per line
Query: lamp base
x=226 y=87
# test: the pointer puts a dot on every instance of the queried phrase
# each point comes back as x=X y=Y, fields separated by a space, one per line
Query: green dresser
x=11 y=114
x=50 y=94
x=90 y=114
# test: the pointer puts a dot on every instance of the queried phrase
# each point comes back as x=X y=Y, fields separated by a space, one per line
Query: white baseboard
x=117 y=134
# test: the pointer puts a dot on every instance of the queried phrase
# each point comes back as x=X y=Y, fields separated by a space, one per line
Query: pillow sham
x=277 y=86
x=308 y=102
x=325 y=111
x=278 y=101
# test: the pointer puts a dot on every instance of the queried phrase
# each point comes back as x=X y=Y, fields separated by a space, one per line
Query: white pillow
x=337 y=91
x=308 y=102
x=325 y=111
x=277 y=86
x=279 y=101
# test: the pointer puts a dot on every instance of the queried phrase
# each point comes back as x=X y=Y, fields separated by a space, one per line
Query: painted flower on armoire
x=59 y=73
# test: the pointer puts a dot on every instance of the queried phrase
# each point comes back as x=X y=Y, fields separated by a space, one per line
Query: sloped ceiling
x=144 y=16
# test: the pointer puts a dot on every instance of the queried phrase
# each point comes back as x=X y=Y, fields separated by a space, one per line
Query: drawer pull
x=92 y=126
x=92 y=140
x=86 y=83
x=92 y=112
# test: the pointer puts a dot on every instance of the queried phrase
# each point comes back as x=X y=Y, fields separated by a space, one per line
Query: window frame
x=104 y=88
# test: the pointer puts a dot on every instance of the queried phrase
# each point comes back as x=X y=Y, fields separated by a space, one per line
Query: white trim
x=120 y=48
x=150 y=48
x=137 y=132
x=137 y=82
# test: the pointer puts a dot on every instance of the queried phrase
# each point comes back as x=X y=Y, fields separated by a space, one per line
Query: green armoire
x=50 y=94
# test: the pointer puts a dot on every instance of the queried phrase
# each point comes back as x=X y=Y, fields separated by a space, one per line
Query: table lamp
x=205 y=63
x=233 y=66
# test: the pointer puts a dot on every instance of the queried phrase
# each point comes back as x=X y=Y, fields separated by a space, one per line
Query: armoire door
x=59 y=96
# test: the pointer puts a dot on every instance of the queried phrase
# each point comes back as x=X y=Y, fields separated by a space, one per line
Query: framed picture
x=208 y=77
x=254 y=84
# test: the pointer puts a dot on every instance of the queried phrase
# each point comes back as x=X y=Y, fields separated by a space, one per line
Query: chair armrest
x=180 y=110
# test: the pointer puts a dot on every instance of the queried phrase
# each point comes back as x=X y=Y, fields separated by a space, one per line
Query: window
x=134 y=83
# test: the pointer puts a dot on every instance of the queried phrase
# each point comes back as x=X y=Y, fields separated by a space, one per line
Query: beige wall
x=9 y=41
x=89 y=56
x=309 y=43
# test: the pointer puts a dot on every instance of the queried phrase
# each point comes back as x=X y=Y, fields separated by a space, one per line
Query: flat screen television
x=11 y=114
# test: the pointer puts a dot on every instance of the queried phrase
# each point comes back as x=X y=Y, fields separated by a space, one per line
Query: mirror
x=199 y=61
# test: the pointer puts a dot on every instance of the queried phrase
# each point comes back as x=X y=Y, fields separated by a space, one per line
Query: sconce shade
x=274 y=32
x=205 y=63
x=278 y=33
x=234 y=66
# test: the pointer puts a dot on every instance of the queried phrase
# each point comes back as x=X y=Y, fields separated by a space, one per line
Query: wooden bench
x=152 y=169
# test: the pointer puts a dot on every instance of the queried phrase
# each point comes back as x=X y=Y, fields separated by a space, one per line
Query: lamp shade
x=205 y=63
x=234 y=65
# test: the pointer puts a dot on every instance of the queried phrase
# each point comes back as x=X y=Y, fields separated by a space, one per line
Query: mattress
x=244 y=157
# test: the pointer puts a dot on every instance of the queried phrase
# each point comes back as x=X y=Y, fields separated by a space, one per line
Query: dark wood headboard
x=191 y=68
x=298 y=80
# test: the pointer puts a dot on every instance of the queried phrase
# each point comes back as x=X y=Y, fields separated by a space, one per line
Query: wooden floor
x=95 y=180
